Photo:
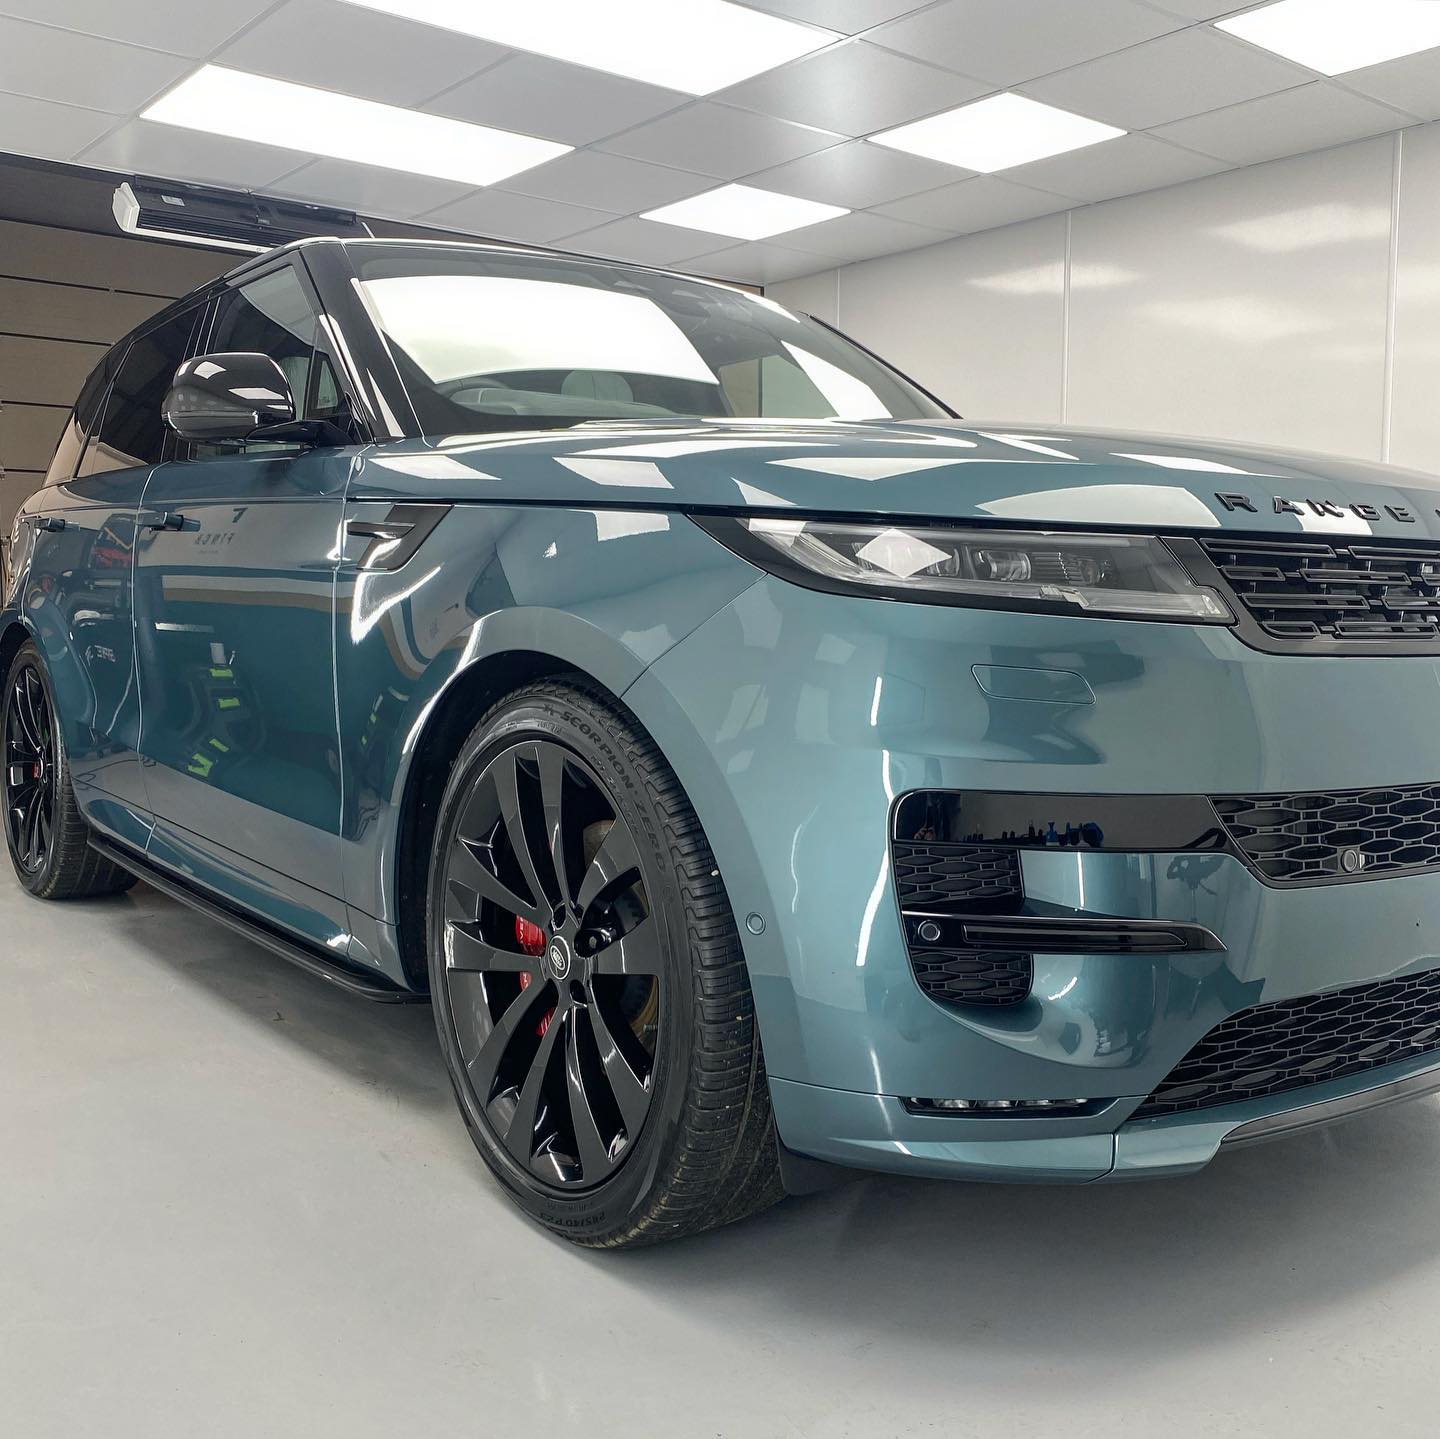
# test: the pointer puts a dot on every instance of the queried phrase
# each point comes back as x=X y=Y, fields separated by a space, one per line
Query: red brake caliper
x=532 y=941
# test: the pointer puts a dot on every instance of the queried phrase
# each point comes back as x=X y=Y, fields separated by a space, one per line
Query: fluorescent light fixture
x=691 y=45
x=744 y=212
x=997 y=133
x=320 y=122
x=1333 y=36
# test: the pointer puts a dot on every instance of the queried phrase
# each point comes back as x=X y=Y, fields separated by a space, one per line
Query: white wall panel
x=1250 y=305
x=1294 y=303
x=980 y=321
x=1415 y=404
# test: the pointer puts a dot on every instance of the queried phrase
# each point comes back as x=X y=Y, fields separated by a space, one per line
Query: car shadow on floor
x=1265 y=1237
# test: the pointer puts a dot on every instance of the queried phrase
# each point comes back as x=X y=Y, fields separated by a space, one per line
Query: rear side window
x=131 y=431
x=82 y=418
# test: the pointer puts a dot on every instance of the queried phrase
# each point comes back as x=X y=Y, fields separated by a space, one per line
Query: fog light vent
x=1008 y=1108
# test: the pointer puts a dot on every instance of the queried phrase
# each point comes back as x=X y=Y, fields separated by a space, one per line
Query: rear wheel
x=45 y=832
x=590 y=993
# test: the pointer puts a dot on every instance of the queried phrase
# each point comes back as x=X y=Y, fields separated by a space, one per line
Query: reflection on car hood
x=946 y=471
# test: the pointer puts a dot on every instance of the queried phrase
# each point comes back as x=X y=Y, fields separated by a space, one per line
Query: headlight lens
x=1117 y=575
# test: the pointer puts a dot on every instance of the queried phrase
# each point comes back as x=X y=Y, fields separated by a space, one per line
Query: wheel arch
x=12 y=636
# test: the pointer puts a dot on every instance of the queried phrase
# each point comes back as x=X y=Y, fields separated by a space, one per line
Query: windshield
x=491 y=341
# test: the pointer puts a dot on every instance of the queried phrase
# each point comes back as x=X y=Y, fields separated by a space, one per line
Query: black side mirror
x=228 y=397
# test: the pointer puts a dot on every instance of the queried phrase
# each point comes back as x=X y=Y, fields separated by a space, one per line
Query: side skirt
x=324 y=966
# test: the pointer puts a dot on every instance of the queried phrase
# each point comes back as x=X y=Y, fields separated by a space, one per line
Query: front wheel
x=48 y=839
x=590 y=992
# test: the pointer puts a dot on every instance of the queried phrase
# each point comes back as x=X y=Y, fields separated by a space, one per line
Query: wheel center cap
x=558 y=958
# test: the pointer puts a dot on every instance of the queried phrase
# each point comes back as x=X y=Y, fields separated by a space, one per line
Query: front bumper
x=795 y=719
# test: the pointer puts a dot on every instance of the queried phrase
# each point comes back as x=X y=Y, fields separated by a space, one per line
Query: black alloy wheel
x=31 y=772
x=553 y=964
x=590 y=992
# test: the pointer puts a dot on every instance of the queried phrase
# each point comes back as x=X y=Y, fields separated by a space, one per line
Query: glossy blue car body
x=276 y=767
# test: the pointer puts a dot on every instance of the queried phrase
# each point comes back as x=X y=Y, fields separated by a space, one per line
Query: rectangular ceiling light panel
x=321 y=122
x=1333 y=36
x=744 y=212
x=997 y=133
x=691 y=45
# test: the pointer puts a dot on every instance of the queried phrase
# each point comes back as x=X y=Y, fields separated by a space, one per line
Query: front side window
x=131 y=431
x=488 y=341
x=273 y=316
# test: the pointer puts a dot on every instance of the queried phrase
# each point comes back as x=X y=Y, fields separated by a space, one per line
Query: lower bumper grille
x=1294 y=1043
x=956 y=977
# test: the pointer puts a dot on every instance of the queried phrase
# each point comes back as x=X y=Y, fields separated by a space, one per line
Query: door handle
x=50 y=524
x=165 y=520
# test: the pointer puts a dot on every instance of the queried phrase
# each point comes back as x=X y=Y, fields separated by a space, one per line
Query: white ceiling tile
x=1412 y=83
x=1006 y=41
x=358 y=52
x=1309 y=117
x=180 y=26
x=978 y=204
x=857 y=175
x=608 y=182
x=168 y=153
x=718 y=140
x=860 y=236
x=1201 y=9
x=554 y=100
x=849 y=17
x=645 y=242
x=505 y=216
x=80 y=70
x=47 y=131
x=370 y=189
x=854 y=89
x=1115 y=167
x=1167 y=79
x=757 y=262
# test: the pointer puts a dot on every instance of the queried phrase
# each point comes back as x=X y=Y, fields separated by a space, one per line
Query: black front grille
x=960 y=877
x=1354 y=594
x=1293 y=1043
x=1338 y=834
x=1350 y=595
x=972 y=976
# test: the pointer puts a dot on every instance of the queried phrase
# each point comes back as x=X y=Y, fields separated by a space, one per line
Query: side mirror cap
x=228 y=397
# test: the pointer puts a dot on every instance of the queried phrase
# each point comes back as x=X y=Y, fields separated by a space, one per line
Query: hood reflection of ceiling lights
x=242 y=106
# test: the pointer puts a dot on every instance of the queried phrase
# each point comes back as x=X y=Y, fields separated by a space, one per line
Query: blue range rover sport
x=763 y=772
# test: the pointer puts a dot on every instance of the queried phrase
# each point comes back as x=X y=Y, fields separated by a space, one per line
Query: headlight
x=1119 y=575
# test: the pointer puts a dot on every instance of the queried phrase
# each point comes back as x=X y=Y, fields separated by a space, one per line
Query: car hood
x=945 y=471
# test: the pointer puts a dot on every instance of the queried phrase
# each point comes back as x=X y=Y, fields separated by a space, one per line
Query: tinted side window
x=82 y=418
x=131 y=431
x=273 y=316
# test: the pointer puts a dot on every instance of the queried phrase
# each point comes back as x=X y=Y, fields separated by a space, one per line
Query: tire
x=48 y=839
x=638 y=967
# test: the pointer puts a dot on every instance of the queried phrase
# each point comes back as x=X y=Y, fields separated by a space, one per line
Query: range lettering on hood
x=1286 y=506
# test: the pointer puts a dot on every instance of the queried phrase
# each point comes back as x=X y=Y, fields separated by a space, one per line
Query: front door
x=234 y=598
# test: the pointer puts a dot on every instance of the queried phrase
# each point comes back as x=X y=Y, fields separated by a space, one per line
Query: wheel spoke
x=615 y=858
x=469 y=869
x=466 y=951
x=637 y=952
x=507 y=786
x=520 y=1136
x=24 y=712
x=628 y=1088
x=594 y=1155
x=552 y=789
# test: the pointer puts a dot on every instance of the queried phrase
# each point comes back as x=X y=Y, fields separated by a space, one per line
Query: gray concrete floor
x=235 y=1203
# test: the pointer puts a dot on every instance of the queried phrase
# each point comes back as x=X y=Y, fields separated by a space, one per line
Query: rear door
x=81 y=572
x=233 y=607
